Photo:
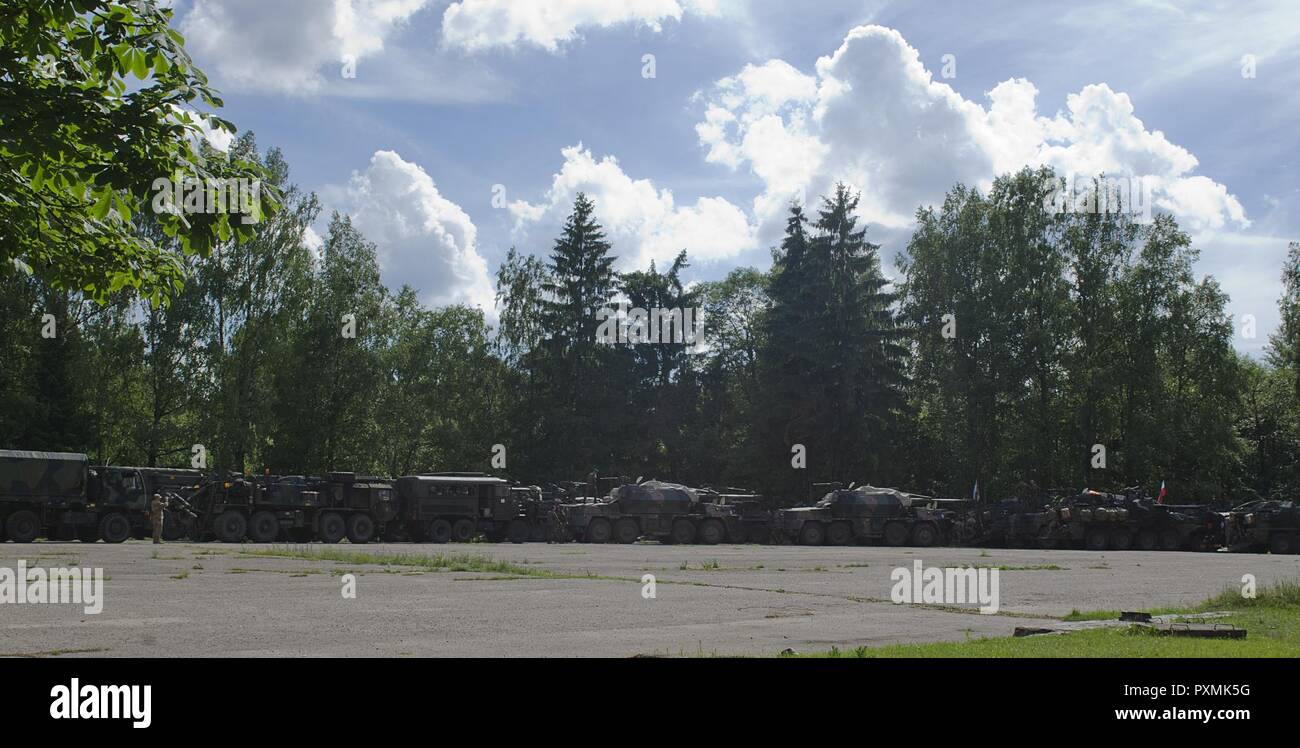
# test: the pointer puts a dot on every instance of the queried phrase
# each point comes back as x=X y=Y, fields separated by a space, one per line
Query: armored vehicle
x=439 y=507
x=1259 y=525
x=866 y=513
x=1120 y=522
x=668 y=512
x=755 y=511
x=1013 y=523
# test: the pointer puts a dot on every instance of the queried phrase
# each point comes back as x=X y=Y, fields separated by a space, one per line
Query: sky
x=452 y=130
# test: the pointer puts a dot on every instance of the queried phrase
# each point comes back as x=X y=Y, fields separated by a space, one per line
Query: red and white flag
x=1161 y=498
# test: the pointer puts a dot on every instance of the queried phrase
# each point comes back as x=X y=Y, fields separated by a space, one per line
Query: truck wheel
x=1121 y=539
x=683 y=531
x=23 y=526
x=1279 y=543
x=812 y=533
x=1097 y=539
x=332 y=528
x=839 y=533
x=360 y=529
x=114 y=528
x=229 y=527
x=1147 y=540
x=712 y=532
x=463 y=531
x=924 y=535
x=598 y=531
x=626 y=531
x=895 y=534
x=519 y=531
x=1170 y=540
x=439 y=531
x=263 y=528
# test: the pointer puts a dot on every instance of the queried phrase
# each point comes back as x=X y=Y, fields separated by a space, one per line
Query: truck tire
x=519 y=531
x=114 y=528
x=1097 y=539
x=682 y=532
x=896 y=534
x=924 y=535
x=626 y=531
x=229 y=527
x=439 y=531
x=598 y=531
x=463 y=531
x=23 y=526
x=1121 y=539
x=712 y=532
x=839 y=533
x=332 y=527
x=812 y=533
x=361 y=529
x=1147 y=540
x=263 y=527
x=1279 y=543
x=1170 y=540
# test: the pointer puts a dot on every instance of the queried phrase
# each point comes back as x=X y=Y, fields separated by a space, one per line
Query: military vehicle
x=1099 y=521
x=1011 y=523
x=669 y=512
x=755 y=511
x=441 y=507
x=300 y=508
x=45 y=493
x=122 y=495
x=867 y=513
x=358 y=508
x=1270 y=525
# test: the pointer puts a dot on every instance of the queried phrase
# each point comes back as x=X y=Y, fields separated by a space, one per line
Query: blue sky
x=751 y=104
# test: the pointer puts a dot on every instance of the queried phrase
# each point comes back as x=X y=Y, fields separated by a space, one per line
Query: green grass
x=1271 y=618
x=434 y=562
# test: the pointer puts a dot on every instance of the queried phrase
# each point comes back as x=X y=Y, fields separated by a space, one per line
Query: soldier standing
x=156 y=509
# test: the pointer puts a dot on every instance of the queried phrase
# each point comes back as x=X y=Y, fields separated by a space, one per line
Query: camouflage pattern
x=1268 y=525
x=668 y=512
x=867 y=513
x=441 y=507
x=58 y=478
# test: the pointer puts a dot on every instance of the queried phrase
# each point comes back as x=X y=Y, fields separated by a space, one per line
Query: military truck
x=1269 y=524
x=45 y=493
x=668 y=512
x=1012 y=523
x=442 y=507
x=358 y=508
x=866 y=513
x=124 y=494
x=300 y=508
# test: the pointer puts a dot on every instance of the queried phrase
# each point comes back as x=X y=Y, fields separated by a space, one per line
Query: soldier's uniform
x=157 y=507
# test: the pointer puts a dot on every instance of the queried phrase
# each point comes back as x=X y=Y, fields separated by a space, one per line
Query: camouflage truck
x=1270 y=525
x=867 y=513
x=442 y=507
x=1012 y=523
x=668 y=512
x=126 y=493
x=358 y=508
x=45 y=493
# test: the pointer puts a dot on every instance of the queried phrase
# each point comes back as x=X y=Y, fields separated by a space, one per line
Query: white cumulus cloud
x=424 y=240
x=874 y=117
x=282 y=47
x=481 y=24
x=642 y=221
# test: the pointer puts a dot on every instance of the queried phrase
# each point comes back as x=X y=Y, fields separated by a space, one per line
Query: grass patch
x=182 y=575
x=434 y=562
x=1272 y=619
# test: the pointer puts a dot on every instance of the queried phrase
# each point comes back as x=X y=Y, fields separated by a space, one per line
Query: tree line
x=1019 y=348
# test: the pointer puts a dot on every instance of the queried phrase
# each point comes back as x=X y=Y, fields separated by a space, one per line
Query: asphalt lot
x=221 y=600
